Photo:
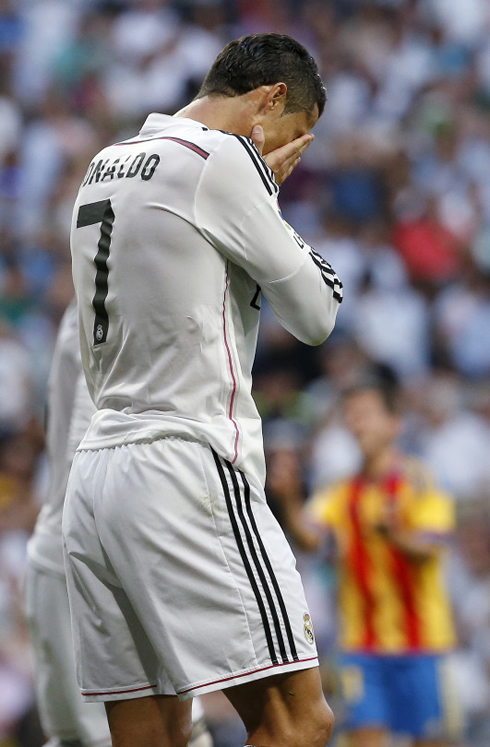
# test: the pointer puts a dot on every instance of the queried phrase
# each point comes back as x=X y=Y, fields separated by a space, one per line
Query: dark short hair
x=264 y=59
x=382 y=380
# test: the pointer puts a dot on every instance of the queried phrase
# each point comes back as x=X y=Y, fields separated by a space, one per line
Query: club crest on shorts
x=308 y=629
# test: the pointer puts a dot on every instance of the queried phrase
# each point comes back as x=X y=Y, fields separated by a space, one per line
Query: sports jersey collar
x=157 y=122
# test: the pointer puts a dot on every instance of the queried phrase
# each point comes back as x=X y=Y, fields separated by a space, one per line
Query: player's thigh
x=283 y=706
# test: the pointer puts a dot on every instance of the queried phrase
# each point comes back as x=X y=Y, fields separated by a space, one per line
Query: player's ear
x=279 y=93
x=273 y=99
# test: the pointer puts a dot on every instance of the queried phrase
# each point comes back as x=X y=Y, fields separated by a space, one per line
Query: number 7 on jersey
x=88 y=215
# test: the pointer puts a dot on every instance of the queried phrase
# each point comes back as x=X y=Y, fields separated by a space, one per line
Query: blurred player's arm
x=236 y=209
x=284 y=481
x=416 y=545
x=428 y=525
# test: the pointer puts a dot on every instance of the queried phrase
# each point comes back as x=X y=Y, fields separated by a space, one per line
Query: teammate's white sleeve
x=83 y=409
x=236 y=209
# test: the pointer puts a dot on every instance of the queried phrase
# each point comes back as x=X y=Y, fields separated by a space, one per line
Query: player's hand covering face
x=283 y=151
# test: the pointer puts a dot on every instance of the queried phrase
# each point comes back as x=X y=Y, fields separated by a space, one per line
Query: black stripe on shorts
x=245 y=559
x=266 y=559
x=256 y=561
x=241 y=516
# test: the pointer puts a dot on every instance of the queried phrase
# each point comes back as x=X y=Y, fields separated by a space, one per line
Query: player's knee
x=313 y=730
x=179 y=734
x=321 y=725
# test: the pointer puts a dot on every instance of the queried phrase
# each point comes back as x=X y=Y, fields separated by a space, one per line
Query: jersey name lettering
x=122 y=168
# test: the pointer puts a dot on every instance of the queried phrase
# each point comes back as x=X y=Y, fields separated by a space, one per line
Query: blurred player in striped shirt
x=390 y=524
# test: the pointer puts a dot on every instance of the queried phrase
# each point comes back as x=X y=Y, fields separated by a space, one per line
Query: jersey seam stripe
x=262 y=174
x=245 y=560
x=186 y=143
x=232 y=371
x=245 y=674
x=268 y=564
x=256 y=561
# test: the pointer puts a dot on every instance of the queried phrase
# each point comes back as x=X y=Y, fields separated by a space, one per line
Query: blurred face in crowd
x=370 y=421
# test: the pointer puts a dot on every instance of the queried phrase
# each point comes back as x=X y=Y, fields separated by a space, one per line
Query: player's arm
x=285 y=483
x=428 y=524
x=415 y=544
x=236 y=209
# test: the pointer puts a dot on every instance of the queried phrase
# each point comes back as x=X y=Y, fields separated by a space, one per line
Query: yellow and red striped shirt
x=388 y=602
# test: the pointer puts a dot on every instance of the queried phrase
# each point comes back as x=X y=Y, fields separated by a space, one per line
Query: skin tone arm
x=283 y=478
x=412 y=544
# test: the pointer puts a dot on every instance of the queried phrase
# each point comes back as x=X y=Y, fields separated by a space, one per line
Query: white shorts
x=63 y=714
x=180 y=579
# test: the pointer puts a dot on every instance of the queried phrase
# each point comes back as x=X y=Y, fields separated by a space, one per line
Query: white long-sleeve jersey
x=175 y=235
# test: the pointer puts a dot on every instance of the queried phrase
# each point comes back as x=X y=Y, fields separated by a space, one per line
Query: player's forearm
x=306 y=303
x=295 y=523
x=414 y=546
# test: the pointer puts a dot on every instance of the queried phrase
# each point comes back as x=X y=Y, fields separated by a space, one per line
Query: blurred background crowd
x=394 y=193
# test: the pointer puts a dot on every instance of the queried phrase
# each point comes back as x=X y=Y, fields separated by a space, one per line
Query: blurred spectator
x=15 y=374
x=454 y=441
x=431 y=252
x=18 y=456
x=469 y=579
x=462 y=319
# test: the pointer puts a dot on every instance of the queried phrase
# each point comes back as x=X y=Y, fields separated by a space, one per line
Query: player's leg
x=160 y=720
x=287 y=710
x=153 y=721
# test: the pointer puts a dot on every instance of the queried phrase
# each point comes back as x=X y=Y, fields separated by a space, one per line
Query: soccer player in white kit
x=181 y=582
x=65 y=718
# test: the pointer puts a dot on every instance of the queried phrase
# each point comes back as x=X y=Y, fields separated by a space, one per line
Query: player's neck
x=230 y=113
x=381 y=463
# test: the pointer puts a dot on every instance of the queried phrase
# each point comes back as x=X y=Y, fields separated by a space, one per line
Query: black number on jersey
x=254 y=302
x=99 y=212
